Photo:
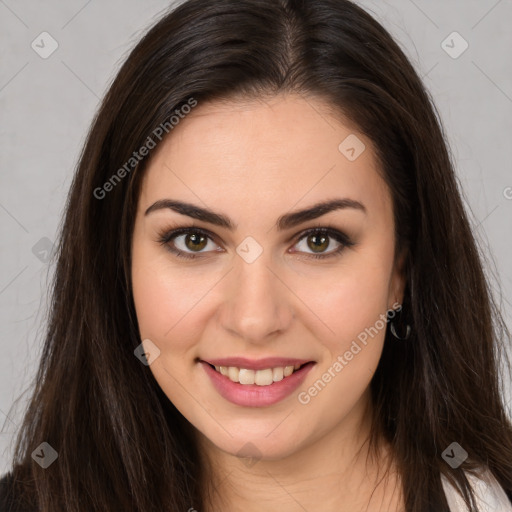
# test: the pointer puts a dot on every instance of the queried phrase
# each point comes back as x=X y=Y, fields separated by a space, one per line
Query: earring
x=392 y=328
x=393 y=331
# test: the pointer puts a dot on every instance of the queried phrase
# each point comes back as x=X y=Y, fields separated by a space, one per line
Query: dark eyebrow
x=286 y=221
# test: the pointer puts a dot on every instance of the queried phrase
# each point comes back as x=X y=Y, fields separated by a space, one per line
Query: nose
x=258 y=307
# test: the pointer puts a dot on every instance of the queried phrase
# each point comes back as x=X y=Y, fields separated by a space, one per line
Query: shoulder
x=489 y=495
x=6 y=492
x=10 y=500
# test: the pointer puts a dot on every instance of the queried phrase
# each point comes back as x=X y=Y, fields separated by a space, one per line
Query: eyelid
x=166 y=235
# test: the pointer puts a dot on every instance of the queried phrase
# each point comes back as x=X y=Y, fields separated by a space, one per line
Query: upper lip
x=256 y=364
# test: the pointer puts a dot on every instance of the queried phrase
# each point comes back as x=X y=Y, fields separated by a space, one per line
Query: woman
x=267 y=295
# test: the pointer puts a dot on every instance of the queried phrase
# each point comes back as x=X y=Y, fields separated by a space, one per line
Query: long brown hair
x=121 y=443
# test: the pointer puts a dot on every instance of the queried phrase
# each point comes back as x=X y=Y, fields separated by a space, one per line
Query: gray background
x=46 y=106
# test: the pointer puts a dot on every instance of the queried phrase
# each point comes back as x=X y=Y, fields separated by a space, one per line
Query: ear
x=398 y=281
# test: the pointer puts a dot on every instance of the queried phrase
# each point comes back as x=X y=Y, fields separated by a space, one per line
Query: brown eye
x=318 y=243
x=315 y=242
x=195 y=241
x=188 y=242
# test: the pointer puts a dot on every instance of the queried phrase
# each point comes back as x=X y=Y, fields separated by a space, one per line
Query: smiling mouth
x=263 y=377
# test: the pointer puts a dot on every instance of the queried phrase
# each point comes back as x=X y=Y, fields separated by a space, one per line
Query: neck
x=340 y=470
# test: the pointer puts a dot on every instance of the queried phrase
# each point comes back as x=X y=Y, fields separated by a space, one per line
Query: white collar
x=489 y=495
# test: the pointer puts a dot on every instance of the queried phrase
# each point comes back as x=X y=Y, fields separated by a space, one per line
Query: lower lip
x=252 y=395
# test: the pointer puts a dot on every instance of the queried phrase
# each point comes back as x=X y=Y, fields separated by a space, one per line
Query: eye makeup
x=167 y=238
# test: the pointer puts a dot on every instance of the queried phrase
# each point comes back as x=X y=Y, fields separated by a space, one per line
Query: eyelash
x=164 y=237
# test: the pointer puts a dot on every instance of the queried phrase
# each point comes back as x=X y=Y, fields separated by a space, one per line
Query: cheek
x=349 y=302
x=354 y=310
x=167 y=298
x=168 y=304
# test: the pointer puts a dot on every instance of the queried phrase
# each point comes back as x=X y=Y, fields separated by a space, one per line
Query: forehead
x=265 y=156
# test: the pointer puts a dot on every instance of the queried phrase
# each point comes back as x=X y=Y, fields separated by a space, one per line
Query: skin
x=254 y=161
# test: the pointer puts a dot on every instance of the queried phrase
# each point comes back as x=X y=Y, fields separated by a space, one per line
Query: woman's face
x=259 y=288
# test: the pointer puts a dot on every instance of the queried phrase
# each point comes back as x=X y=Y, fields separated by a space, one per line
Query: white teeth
x=277 y=374
x=233 y=373
x=263 y=377
x=259 y=377
x=288 y=370
x=246 y=376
